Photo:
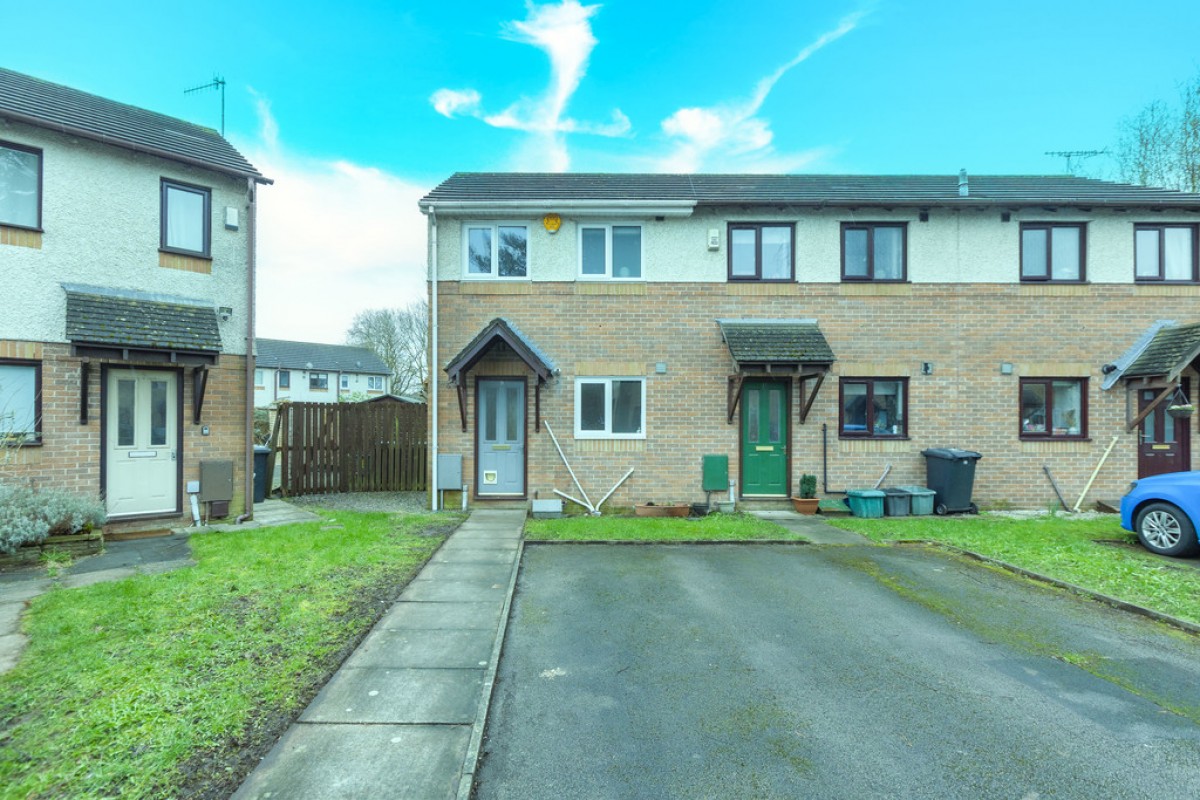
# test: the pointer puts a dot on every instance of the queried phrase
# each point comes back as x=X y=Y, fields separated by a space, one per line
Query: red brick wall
x=70 y=456
x=964 y=331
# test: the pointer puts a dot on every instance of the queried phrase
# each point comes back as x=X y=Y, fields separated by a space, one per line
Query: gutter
x=568 y=207
x=83 y=133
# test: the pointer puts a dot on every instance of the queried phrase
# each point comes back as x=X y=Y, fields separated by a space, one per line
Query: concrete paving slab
x=11 y=646
x=474 y=556
x=442 y=616
x=812 y=528
x=361 y=762
x=10 y=617
x=499 y=534
x=18 y=591
x=506 y=545
x=89 y=578
x=446 y=591
x=399 y=696
x=481 y=573
x=406 y=647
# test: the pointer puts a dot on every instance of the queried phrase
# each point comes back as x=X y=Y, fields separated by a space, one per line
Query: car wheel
x=1162 y=528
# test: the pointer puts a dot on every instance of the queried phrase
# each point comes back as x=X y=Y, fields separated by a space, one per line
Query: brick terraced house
x=126 y=272
x=822 y=324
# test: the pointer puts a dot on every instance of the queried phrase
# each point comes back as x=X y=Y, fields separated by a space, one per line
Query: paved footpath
x=404 y=716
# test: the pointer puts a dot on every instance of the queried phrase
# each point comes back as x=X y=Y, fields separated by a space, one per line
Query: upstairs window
x=1053 y=408
x=610 y=251
x=318 y=381
x=260 y=379
x=285 y=379
x=186 y=219
x=344 y=383
x=374 y=383
x=1165 y=253
x=874 y=408
x=1052 y=251
x=496 y=250
x=610 y=408
x=874 y=251
x=20 y=186
x=760 y=252
x=20 y=403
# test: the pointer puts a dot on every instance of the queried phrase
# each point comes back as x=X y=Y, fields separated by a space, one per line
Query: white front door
x=142 y=433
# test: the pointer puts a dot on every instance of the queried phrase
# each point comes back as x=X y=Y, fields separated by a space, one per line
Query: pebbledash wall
x=964 y=312
x=101 y=219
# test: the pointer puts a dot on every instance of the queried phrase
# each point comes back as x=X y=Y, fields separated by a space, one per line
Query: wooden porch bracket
x=1131 y=390
x=733 y=394
x=84 y=369
x=199 y=386
x=537 y=406
x=462 y=402
x=806 y=403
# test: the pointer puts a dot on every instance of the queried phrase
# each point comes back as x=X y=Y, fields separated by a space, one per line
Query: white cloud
x=449 y=102
x=334 y=238
x=564 y=33
x=731 y=135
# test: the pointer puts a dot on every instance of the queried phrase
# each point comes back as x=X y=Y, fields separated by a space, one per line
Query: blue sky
x=358 y=108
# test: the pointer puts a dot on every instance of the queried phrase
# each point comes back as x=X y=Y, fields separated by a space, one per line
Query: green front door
x=764 y=438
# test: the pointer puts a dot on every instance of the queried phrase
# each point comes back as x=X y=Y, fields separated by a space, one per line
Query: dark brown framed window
x=20 y=186
x=874 y=251
x=1054 y=251
x=1166 y=252
x=761 y=251
x=20 y=403
x=285 y=379
x=318 y=381
x=1054 y=408
x=873 y=408
x=186 y=219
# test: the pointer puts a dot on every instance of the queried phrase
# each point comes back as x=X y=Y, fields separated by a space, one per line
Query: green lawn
x=714 y=527
x=173 y=685
x=1059 y=547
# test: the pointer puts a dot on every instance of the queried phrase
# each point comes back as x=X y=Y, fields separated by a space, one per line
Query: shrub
x=28 y=516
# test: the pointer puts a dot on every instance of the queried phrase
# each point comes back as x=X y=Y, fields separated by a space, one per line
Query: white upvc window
x=496 y=250
x=610 y=251
x=610 y=408
x=375 y=383
x=344 y=382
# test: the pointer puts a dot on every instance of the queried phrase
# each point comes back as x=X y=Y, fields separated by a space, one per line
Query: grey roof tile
x=790 y=341
x=1169 y=352
x=284 y=354
x=49 y=105
x=134 y=322
x=819 y=190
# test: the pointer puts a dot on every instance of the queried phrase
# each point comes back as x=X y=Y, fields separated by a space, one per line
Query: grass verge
x=714 y=527
x=174 y=685
x=1059 y=547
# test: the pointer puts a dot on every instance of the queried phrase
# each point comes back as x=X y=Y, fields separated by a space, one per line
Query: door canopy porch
x=1156 y=361
x=776 y=348
x=499 y=333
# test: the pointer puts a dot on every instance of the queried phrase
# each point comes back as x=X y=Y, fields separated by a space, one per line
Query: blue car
x=1164 y=512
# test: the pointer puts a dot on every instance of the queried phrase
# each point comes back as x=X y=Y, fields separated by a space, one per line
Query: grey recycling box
x=449 y=472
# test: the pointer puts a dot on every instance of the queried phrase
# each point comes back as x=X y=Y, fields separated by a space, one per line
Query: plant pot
x=670 y=510
x=805 y=505
x=1181 y=411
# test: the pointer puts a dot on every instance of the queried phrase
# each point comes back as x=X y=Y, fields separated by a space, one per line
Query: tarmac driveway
x=788 y=672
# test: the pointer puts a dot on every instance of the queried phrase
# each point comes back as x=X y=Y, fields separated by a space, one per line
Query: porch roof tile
x=776 y=341
x=1171 y=350
x=141 y=320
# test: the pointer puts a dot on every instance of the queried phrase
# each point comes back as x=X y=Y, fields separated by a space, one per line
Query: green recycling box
x=866 y=502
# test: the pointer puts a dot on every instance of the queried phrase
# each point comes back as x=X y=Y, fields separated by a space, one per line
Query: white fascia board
x=570 y=208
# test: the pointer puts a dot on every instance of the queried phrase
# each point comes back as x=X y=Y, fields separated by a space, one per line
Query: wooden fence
x=350 y=447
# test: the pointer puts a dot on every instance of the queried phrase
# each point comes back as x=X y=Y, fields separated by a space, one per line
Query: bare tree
x=399 y=336
x=1160 y=145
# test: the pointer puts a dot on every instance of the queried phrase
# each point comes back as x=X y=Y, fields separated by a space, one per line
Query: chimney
x=963 y=188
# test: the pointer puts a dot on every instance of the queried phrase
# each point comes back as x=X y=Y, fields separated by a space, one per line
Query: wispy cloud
x=731 y=135
x=564 y=33
x=335 y=238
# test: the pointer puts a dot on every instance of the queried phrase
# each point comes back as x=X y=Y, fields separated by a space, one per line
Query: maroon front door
x=1164 y=442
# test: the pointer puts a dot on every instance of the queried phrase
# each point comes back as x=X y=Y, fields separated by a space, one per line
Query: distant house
x=126 y=264
x=317 y=373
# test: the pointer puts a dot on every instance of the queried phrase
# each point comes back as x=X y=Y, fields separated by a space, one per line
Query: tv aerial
x=217 y=83
x=1079 y=154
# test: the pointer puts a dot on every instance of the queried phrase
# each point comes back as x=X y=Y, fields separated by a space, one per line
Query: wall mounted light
x=1006 y=368
x=926 y=367
x=661 y=368
x=225 y=313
